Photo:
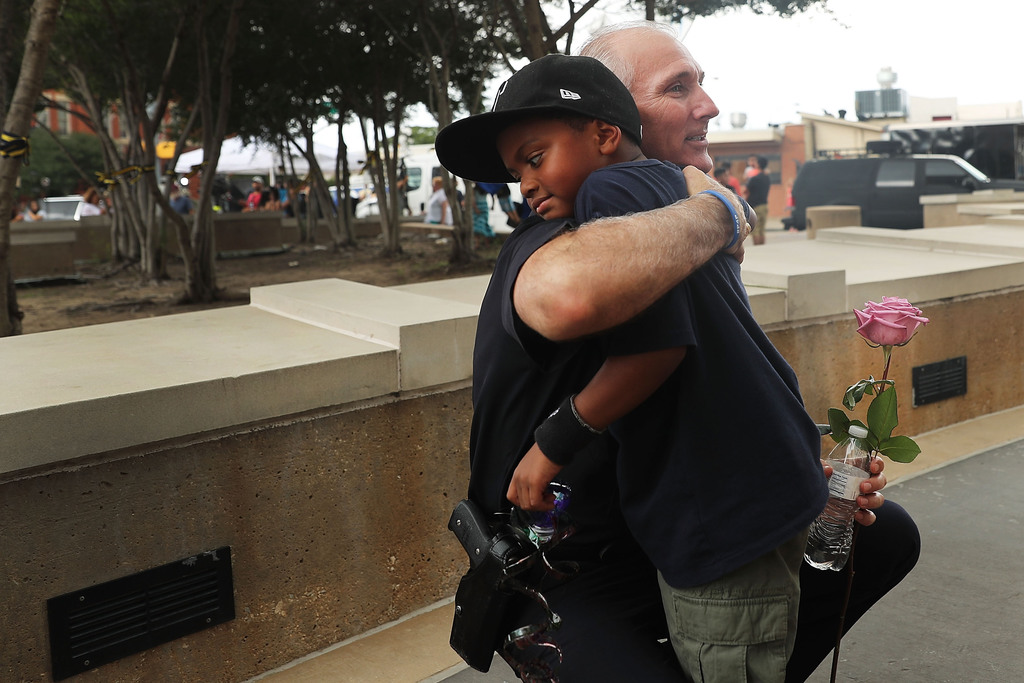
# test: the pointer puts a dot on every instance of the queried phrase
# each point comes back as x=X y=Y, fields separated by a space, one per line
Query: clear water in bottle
x=540 y=526
x=831 y=534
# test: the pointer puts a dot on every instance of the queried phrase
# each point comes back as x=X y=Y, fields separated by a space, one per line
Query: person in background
x=270 y=199
x=438 y=211
x=33 y=212
x=92 y=204
x=723 y=174
x=255 y=198
x=751 y=170
x=481 y=215
x=18 y=212
x=756 y=193
x=180 y=201
x=504 y=196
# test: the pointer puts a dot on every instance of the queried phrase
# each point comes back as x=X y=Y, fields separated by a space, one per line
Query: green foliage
x=48 y=160
x=899 y=449
x=422 y=135
x=855 y=392
x=882 y=420
x=14 y=16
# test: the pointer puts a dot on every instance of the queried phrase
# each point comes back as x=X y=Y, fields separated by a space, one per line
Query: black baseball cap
x=553 y=83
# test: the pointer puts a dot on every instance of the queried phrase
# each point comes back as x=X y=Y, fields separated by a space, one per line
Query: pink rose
x=890 y=323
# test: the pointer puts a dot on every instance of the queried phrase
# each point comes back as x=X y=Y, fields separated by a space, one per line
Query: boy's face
x=550 y=160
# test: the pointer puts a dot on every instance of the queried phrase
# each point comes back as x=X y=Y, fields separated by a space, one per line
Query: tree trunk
x=16 y=125
x=343 y=177
x=318 y=187
x=199 y=253
x=534 y=46
x=462 y=222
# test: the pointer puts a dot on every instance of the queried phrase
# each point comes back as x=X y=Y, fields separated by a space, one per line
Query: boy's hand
x=531 y=478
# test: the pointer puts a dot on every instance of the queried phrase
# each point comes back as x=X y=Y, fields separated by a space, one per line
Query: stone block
x=434 y=337
x=997 y=237
x=122 y=384
x=243 y=232
x=811 y=288
x=823 y=217
x=40 y=251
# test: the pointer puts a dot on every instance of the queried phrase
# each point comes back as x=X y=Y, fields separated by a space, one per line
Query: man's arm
x=608 y=271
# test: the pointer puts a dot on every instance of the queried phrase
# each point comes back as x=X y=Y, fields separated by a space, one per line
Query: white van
x=420 y=169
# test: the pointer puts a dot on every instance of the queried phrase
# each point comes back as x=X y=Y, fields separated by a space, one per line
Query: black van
x=886 y=188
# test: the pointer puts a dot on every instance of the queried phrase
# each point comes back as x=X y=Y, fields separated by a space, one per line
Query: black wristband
x=564 y=433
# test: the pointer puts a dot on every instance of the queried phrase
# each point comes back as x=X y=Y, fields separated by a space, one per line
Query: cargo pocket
x=741 y=639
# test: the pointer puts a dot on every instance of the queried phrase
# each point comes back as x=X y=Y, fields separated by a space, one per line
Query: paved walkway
x=956 y=618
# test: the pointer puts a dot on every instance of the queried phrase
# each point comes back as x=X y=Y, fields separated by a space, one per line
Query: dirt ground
x=107 y=293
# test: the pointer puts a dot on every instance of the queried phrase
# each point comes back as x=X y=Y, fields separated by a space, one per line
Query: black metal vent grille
x=938 y=381
x=103 y=623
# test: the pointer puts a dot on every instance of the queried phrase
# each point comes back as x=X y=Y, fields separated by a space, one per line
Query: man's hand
x=530 y=481
x=698 y=181
x=870 y=497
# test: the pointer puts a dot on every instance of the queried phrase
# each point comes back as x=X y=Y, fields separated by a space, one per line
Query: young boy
x=568 y=131
x=555 y=148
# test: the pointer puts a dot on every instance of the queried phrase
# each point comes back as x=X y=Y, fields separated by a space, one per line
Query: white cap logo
x=568 y=94
x=501 y=90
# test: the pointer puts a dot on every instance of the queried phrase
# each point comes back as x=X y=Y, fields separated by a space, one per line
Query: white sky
x=772 y=68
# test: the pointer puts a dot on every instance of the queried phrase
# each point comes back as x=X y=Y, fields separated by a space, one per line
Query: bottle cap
x=857 y=432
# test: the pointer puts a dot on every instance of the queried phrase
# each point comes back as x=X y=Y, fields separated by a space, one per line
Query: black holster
x=497 y=552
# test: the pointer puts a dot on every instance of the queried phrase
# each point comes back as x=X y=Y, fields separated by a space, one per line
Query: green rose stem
x=887 y=355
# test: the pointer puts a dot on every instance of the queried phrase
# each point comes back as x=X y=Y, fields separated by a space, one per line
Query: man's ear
x=608 y=137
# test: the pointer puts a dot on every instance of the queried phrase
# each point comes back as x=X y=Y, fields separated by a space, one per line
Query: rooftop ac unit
x=881 y=104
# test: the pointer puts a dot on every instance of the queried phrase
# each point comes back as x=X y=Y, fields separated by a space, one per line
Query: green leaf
x=882 y=417
x=839 y=424
x=855 y=392
x=900 y=448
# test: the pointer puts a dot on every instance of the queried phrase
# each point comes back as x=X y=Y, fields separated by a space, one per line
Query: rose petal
x=891 y=322
x=884 y=333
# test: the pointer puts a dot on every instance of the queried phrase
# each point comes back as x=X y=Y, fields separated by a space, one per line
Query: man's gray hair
x=601 y=46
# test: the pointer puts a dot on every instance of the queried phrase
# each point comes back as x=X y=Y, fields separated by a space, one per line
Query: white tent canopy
x=260 y=158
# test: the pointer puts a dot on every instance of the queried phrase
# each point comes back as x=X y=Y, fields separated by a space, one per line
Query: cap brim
x=469 y=148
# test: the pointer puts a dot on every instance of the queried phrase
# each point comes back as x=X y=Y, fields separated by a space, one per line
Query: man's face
x=550 y=160
x=674 y=108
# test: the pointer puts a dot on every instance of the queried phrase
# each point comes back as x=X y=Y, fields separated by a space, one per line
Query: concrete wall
x=336 y=522
x=322 y=431
x=42 y=250
x=948 y=210
x=836 y=216
x=52 y=248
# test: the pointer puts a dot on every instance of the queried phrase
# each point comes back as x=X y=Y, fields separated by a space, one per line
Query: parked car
x=886 y=188
x=62 y=208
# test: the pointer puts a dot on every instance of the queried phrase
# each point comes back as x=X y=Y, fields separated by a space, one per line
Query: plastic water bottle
x=540 y=526
x=831 y=535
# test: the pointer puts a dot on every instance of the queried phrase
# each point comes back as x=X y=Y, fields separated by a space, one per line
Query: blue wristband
x=732 y=212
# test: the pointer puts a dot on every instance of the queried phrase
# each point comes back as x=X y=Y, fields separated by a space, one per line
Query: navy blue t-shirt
x=721 y=464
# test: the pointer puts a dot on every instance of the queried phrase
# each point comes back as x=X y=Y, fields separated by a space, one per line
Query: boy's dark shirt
x=706 y=485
